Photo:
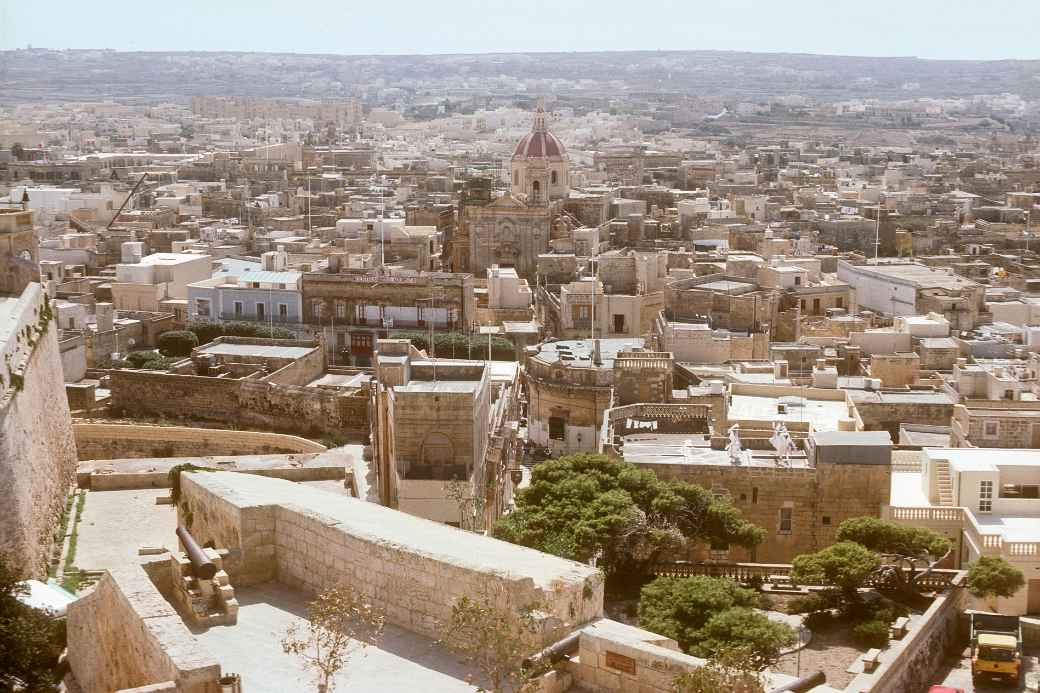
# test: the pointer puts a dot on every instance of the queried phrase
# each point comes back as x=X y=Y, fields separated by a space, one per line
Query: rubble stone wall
x=124 y=634
x=247 y=403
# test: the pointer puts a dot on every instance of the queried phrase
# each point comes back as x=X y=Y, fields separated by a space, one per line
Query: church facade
x=514 y=229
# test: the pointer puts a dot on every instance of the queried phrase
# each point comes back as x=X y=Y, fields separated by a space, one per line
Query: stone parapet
x=125 y=635
x=413 y=568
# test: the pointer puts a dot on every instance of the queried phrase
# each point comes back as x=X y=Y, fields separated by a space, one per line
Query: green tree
x=991 y=577
x=177 y=342
x=887 y=537
x=30 y=640
x=845 y=565
x=495 y=641
x=731 y=671
x=764 y=638
x=340 y=624
x=590 y=506
x=708 y=616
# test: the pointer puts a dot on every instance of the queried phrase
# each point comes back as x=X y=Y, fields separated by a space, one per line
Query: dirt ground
x=831 y=651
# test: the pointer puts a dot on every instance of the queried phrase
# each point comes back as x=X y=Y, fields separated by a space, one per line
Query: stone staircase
x=945 y=482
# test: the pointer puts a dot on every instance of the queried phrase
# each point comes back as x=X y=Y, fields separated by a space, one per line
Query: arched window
x=536 y=190
x=552 y=178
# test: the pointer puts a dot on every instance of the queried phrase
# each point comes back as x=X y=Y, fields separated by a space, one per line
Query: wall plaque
x=621 y=662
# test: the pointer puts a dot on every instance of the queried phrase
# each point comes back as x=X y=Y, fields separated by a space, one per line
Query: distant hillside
x=89 y=74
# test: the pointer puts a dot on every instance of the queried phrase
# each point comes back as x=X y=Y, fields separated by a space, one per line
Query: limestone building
x=438 y=421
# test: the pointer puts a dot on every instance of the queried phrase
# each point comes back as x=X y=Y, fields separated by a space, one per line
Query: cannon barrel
x=555 y=652
x=202 y=566
x=806 y=683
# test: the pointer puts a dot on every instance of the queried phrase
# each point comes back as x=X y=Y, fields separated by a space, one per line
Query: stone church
x=514 y=229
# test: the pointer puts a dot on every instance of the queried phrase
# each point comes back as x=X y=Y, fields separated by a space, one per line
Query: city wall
x=36 y=469
x=124 y=635
x=242 y=402
x=413 y=568
x=124 y=441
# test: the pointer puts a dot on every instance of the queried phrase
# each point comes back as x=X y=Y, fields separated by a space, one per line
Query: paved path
x=402 y=661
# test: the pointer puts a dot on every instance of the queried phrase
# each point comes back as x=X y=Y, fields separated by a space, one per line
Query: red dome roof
x=539 y=144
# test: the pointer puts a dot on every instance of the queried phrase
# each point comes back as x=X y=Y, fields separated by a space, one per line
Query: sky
x=940 y=29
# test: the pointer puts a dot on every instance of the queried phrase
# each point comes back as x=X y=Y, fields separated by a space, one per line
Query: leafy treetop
x=992 y=576
x=845 y=565
x=891 y=538
x=584 y=506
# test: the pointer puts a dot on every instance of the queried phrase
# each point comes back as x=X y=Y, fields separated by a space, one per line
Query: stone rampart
x=414 y=568
x=37 y=450
x=127 y=441
x=242 y=402
x=124 y=635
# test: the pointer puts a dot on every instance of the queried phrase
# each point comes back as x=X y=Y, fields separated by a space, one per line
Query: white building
x=986 y=501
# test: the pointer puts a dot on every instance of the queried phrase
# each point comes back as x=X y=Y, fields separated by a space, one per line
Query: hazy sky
x=971 y=29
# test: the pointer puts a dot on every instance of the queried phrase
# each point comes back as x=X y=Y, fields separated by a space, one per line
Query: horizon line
x=217 y=51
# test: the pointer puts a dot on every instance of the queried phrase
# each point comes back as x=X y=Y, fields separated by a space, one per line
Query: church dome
x=539 y=144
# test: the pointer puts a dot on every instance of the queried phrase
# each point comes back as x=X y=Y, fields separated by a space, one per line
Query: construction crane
x=128 y=197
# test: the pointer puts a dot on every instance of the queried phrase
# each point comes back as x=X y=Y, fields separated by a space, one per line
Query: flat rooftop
x=823 y=414
x=577 y=353
x=266 y=350
x=726 y=287
x=985 y=459
x=680 y=449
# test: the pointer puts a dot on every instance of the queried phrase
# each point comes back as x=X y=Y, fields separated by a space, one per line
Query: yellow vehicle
x=996 y=648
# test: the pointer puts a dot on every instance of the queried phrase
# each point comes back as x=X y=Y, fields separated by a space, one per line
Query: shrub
x=871 y=634
x=810 y=603
x=207 y=331
x=177 y=343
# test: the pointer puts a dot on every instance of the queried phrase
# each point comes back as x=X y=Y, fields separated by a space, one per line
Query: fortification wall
x=248 y=403
x=37 y=449
x=124 y=635
x=415 y=569
x=127 y=441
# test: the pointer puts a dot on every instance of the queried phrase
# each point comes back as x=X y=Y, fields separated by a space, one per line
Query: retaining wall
x=128 y=441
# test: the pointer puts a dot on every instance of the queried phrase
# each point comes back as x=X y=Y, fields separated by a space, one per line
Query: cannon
x=201 y=565
x=806 y=683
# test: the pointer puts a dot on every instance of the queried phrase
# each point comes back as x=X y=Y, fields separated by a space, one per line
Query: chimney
x=105 y=316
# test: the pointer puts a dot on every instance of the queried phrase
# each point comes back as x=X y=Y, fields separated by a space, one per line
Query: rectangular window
x=261 y=311
x=202 y=307
x=985 y=496
x=840 y=303
x=825 y=520
x=341 y=309
x=283 y=311
x=992 y=429
x=238 y=309
x=619 y=322
x=754 y=495
x=557 y=428
x=786 y=520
